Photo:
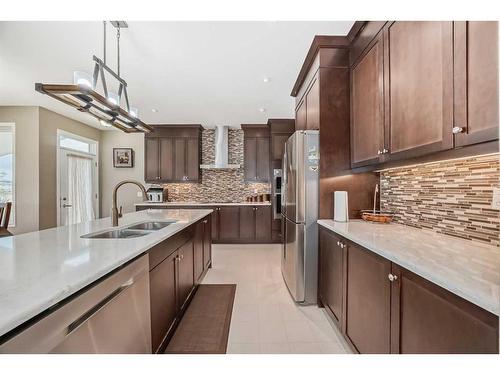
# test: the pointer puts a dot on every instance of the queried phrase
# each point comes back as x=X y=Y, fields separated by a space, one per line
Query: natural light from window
x=7 y=176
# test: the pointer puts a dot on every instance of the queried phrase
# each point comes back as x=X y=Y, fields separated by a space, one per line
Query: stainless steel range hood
x=221 y=151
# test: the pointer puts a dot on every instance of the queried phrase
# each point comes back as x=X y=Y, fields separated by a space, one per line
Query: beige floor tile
x=243 y=332
x=243 y=348
x=272 y=331
x=306 y=348
x=298 y=331
x=332 y=348
x=275 y=348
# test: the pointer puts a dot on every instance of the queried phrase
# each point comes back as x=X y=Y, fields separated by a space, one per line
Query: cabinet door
x=262 y=159
x=312 y=109
x=368 y=301
x=419 y=78
x=367 y=108
x=476 y=82
x=192 y=159
x=428 y=319
x=186 y=274
x=214 y=219
x=278 y=145
x=151 y=156
x=263 y=223
x=207 y=243
x=166 y=146
x=331 y=273
x=301 y=116
x=179 y=159
x=229 y=223
x=247 y=223
x=250 y=156
x=162 y=284
x=199 y=264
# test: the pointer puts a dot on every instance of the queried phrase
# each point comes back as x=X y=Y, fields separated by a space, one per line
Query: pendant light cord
x=118 y=47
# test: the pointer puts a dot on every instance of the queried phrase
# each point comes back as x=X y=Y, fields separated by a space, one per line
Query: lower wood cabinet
x=384 y=308
x=229 y=218
x=177 y=265
x=368 y=301
x=331 y=281
x=163 y=294
x=428 y=319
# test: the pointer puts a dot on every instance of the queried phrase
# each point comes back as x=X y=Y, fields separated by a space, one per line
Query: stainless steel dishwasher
x=112 y=316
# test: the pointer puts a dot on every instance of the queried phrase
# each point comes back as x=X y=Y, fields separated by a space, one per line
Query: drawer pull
x=392 y=277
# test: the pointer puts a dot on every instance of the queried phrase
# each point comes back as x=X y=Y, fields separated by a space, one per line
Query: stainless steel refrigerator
x=300 y=183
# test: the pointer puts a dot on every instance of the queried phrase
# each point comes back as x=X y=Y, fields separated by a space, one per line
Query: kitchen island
x=43 y=270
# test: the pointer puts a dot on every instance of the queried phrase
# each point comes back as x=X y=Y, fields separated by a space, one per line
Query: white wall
x=110 y=176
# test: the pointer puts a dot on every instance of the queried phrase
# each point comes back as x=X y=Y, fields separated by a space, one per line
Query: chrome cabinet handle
x=457 y=130
x=385 y=151
x=338 y=243
x=379 y=152
x=392 y=277
x=205 y=221
x=67 y=205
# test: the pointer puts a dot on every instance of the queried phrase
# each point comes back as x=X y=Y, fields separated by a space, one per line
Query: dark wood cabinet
x=247 y=223
x=428 y=319
x=262 y=223
x=419 y=94
x=172 y=154
x=198 y=251
x=331 y=273
x=207 y=242
x=301 y=115
x=256 y=152
x=476 y=82
x=185 y=273
x=312 y=106
x=163 y=295
x=367 y=106
x=229 y=219
x=368 y=301
x=381 y=307
x=151 y=159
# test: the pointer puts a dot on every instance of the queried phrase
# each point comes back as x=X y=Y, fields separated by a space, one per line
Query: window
x=7 y=170
x=76 y=143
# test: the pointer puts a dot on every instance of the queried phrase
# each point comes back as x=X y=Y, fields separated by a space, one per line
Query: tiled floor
x=265 y=318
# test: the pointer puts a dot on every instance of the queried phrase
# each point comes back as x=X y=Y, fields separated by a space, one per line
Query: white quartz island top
x=191 y=204
x=469 y=269
x=40 y=269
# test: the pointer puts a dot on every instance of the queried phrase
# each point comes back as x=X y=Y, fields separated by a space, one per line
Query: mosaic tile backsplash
x=218 y=185
x=452 y=197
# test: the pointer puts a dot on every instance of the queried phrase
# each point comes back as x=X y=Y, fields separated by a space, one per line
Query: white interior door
x=77 y=187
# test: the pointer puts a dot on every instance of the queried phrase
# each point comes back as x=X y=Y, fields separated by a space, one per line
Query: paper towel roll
x=341 y=210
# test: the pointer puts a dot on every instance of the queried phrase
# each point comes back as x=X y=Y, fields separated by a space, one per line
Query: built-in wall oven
x=276 y=186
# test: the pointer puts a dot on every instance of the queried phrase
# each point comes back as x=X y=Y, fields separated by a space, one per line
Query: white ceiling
x=193 y=72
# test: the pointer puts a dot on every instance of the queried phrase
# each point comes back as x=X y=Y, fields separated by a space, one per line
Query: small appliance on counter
x=157 y=194
x=340 y=206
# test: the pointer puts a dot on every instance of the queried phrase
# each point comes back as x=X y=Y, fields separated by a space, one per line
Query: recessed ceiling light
x=154 y=110
x=266 y=79
x=262 y=110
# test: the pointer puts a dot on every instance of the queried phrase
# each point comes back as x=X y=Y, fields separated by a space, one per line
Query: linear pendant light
x=83 y=96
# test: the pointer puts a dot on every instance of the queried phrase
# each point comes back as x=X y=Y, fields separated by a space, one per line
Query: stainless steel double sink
x=132 y=231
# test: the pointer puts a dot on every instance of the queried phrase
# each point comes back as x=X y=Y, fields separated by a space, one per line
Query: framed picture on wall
x=123 y=158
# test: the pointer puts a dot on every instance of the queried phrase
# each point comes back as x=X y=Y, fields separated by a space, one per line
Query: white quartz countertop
x=178 y=204
x=40 y=269
x=469 y=269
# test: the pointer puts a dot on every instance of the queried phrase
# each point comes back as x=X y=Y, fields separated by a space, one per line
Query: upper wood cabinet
x=433 y=86
x=256 y=153
x=367 y=106
x=172 y=154
x=281 y=130
x=419 y=81
x=476 y=82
